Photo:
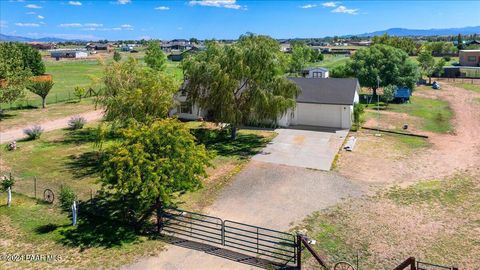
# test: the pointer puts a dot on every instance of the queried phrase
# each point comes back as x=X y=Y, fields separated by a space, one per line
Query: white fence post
x=74 y=214
x=9 y=196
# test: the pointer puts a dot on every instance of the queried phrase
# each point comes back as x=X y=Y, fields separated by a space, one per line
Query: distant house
x=178 y=56
x=361 y=43
x=43 y=45
x=285 y=47
x=315 y=72
x=469 y=58
x=57 y=54
x=99 y=47
x=323 y=102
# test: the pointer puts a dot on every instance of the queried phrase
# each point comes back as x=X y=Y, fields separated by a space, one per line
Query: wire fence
x=49 y=190
x=460 y=80
x=37 y=102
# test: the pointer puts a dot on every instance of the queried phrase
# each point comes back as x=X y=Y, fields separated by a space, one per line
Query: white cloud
x=126 y=26
x=70 y=25
x=3 y=24
x=40 y=17
x=31 y=13
x=309 y=6
x=344 y=9
x=33 y=6
x=27 y=24
x=330 y=4
x=162 y=8
x=232 y=4
x=93 y=25
x=75 y=3
x=123 y=2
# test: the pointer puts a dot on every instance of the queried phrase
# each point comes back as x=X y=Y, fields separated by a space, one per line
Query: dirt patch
x=436 y=221
x=376 y=160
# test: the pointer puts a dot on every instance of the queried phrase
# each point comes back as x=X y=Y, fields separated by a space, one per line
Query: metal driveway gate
x=188 y=224
x=271 y=245
x=431 y=266
x=274 y=245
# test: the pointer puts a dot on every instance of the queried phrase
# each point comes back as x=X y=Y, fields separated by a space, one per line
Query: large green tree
x=301 y=55
x=32 y=59
x=134 y=92
x=41 y=88
x=428 y=65
x=241 y=83
x=13 y=76
x=152 y=164
x=406 y=44
x=379 y=66
x=154 y=56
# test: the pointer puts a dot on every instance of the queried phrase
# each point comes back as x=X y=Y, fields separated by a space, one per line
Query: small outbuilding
x=57 y=54
x=402 y=94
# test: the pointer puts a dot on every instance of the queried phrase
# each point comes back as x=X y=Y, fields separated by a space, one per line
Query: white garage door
x=318 y=115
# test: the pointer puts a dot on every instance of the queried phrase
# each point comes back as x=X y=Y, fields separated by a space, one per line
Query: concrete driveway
x=300 y=147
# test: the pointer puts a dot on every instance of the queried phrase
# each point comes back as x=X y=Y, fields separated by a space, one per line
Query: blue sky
x=134 y=19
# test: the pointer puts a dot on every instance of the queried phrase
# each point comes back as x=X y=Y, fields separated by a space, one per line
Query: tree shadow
x=85 y=164
x=219 y=140
x=104 y=223
x=80 y=136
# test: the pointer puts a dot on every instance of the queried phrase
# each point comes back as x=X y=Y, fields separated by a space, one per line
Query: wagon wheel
x=48 y=195
x=343 y=266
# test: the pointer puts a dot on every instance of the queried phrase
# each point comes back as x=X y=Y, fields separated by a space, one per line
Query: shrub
x=34 y=132
x=76 y=122
x=67 y=196
x=79 y=92
x=7 y=182
x=447 y=58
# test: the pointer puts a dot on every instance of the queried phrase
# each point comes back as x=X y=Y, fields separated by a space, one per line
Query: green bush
x=67 y=196
x=34 y=132
x=7 y=182
x=76 y=122
x=447 y=58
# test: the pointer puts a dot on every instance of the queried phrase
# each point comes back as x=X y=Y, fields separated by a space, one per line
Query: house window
x=471 y=59
x=185 y=107
x=317 y=74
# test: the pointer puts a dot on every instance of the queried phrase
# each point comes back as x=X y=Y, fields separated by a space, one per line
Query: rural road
x=17 y=133
x=263 y=194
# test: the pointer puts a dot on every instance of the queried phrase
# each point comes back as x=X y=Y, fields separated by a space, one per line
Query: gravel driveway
x=263 y=194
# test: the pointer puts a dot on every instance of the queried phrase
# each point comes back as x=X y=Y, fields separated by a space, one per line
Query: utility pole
x=378 y=108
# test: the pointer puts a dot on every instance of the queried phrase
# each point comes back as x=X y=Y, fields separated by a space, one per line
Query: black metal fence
x=431 y=266
x=276 y=246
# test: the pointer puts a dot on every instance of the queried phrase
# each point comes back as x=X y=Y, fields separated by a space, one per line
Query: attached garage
x=323 y=102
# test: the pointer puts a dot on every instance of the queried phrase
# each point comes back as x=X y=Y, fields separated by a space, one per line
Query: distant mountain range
x=25 y=39
x=425 y=32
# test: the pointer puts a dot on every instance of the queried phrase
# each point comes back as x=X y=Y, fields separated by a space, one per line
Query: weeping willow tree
x=240 y=83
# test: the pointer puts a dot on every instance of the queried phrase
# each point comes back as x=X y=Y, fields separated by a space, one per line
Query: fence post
x=299 y=251
x=35 y=187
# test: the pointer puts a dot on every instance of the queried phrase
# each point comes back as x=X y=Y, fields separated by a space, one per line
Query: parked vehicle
x=436 y=85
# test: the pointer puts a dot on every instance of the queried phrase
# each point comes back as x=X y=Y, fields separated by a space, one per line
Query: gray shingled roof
x=339 y=91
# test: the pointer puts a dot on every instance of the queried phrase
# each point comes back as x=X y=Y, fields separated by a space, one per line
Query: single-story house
x=57 y=54
x=315 y=72
x=470 y=58
x=323 y=102
x=99 y=47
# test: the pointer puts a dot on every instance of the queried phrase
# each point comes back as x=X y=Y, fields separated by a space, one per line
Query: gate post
x=299 y=252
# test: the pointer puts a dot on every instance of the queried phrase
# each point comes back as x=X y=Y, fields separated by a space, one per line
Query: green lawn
x=435 y=221
x=21 y=117
x=435 y=114
x=330 y=61
x=33 y=227
x=64 y=157
x=67 y=74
